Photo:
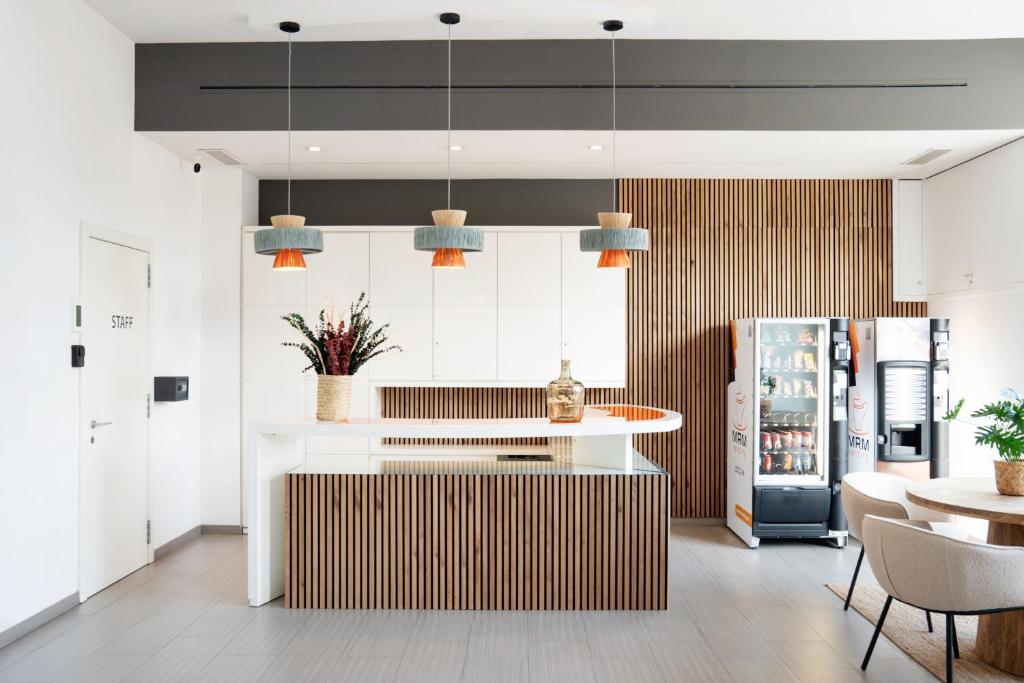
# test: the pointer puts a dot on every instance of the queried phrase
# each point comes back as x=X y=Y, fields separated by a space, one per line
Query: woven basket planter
x=1010 y=478
x=333 y=397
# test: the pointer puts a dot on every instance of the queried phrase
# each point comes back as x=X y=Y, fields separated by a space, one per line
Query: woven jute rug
x=905 y=627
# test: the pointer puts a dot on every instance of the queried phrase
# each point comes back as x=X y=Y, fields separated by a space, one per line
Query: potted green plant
x=336 y=351
x=1005 y=433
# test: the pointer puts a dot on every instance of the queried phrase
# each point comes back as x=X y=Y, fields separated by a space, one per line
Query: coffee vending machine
x=899 y=397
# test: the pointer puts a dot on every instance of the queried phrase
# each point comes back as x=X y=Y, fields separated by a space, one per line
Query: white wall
x=230 y=199
x=70 y=154
x=974 y=243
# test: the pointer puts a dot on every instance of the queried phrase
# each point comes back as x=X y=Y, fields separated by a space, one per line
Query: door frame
x=89 y=231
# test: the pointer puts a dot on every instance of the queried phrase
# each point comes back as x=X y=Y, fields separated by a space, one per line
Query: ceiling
x=163 y=21
x=567 y=154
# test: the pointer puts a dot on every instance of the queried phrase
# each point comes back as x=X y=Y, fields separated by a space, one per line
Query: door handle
x=94 y=424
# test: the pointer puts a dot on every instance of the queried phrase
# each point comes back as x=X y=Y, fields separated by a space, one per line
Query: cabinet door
x=465 y=343
x=411 y=327
x=474 y=285
x=947 y=231
x=529 y=343
x=399 y=275
x=529 y=269
x=997 y=217
x=583 y=283
x=337 y=276
x=594 y=340
x=264 y=286
x=908 y=240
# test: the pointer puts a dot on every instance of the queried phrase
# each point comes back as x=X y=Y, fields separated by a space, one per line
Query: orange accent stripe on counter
x=854 y=345
x=633 y=413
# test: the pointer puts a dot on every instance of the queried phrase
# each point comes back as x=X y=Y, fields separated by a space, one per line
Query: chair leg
x=956 y=643
x=928 y=618
x=856 y=571
x=949 y=648
x=874 y=637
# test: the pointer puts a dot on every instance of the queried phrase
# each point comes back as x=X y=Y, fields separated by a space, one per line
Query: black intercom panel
x=170 y=389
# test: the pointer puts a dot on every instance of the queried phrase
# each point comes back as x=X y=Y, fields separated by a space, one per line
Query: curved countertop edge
x=591 y=425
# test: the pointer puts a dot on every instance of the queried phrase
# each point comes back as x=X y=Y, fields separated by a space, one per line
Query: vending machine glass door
x=793 y=386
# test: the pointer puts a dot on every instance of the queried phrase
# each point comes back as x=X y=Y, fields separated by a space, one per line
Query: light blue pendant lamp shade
x=289 y=233
x=614 y=239
x=448 y=238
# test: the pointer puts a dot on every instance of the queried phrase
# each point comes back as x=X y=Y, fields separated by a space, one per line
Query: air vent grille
x=926 y=156
x=222 y=156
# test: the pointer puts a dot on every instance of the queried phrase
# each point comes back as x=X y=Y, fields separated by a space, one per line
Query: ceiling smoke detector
x=222 y=156
x=926 y=156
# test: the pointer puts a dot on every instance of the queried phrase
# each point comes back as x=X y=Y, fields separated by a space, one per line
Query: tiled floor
x=736 y=614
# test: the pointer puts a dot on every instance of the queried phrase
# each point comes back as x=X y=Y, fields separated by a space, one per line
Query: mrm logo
x=739 y=438
x=860 y=443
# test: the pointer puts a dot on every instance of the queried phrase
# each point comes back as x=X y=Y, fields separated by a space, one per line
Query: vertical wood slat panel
x=476 y=541
x=720 y=250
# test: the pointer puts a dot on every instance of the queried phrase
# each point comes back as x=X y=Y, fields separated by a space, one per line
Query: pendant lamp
x=615 y=238
x=289 y=240
x=448 y=237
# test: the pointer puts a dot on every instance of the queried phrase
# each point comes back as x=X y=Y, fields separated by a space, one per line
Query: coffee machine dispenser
x=900 y=394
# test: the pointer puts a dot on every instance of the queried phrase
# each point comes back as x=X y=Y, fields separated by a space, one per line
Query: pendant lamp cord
x=615 y=197
x=449 y=116
x=289 y=124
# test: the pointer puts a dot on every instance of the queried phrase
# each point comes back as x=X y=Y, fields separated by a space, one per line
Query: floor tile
x=383 y=634
x=496 y=670
x=433 y=660
x=688 y=661
x=148 y=636
x=234 y=669
x=268 y=634
x=620 y=670
x=560 y=661
x=496 y=635
x=759 y=670
x=444 y=625
x=306 y=659
x=47 y=661
x=365 y=669
x=182 y=659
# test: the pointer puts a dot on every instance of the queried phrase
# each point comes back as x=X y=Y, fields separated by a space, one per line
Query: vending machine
x=787 y=445
x=901 y=393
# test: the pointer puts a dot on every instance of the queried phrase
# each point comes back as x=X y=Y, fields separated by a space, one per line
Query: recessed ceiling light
x=596 y=148
x=455 y=148
x=313 y=148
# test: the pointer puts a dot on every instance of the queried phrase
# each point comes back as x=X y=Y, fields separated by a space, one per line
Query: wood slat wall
x=720 y=249
x=508 y=542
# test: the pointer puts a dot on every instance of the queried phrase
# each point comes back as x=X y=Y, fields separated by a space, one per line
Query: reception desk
x=585 y=529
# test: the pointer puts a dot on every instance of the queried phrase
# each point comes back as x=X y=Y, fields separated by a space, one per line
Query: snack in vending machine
x=810 y=419
x=766 y=441
x=766 y=463
x=810 y=466
x=809 y=362
x=809 y=390
x=787 y=439
x=766 y=359
x=766 y=336
x=787 y=461
x=806 y=336
x=784 y=337
x=797 y=386
x=798 y=466
x=776 y=441
x=806 y=440
x=787 y=388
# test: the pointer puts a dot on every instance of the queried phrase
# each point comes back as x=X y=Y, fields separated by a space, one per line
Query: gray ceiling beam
x=563 y=85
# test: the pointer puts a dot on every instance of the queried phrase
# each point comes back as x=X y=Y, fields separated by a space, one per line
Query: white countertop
x=596 y=422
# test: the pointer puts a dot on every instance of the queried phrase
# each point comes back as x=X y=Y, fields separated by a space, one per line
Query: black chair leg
x=878 y=630
x=956 y=643
x=949 y=648
x=928 y=618
x=856 y=571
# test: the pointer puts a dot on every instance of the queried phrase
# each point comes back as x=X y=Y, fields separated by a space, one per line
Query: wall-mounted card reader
x=170 y=389
x=77 y=356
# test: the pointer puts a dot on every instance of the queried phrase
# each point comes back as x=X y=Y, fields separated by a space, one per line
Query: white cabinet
x=465 y=343
x=337 y=276
x=908 y=240
x=529 y=343
x=264 y=286
x=583 y=283
x=399 y=275
x=594 y=340
x=529 y=269
x=474 y=285
x=412 y=328
x=948 y=231
x=997 y=217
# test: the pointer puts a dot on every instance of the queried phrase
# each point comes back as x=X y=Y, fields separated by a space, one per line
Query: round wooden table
x=1000 y=636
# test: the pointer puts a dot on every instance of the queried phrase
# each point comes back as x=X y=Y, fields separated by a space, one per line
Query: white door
x=114 y=470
